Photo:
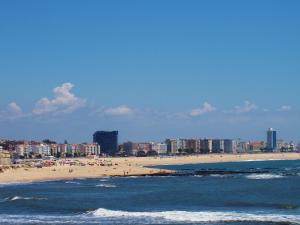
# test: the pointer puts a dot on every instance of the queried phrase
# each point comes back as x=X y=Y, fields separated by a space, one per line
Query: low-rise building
x=257 y=146
x=243 y=146
x=5 y=158
x=90 y=149
x=137 y=149
x=159 y=148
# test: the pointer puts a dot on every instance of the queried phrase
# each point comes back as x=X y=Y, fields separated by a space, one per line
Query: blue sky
x=151 y=69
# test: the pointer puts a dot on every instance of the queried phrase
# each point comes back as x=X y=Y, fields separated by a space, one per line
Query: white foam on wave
x=16 y=198
x=163 y=217
x=131 y=177
x=184 y=216
x=198 y=175
x=264 y=176
x=106 y=186
x=72 y=182
x=217 y=175
x=260 y=160
x=14 y=184
x=40 y=219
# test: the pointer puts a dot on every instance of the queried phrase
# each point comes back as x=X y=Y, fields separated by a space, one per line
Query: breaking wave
x=72 y=182
x=39 y=219
x=106 y=216
x=14 y=184
x=106 y=186
x=185 y=216
x=264 y=176
x=19 y=198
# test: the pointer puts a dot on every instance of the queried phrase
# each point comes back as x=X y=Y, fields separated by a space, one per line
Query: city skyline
x=149 y=69
x=105 y=143
x=271 y=140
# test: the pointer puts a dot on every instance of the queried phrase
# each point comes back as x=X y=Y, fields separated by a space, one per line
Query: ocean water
x=266 y=192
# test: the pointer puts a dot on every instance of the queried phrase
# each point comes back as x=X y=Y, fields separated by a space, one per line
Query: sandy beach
x=131 y=166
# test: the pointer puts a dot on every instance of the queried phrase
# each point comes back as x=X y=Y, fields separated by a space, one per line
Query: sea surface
x=253 y=192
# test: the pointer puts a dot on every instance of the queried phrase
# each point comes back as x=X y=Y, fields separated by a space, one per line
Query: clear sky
x=150 y=69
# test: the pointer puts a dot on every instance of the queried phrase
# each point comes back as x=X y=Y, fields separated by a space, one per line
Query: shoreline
x=126 y=167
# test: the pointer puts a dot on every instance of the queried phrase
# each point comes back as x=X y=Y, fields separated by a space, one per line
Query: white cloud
x=285 y=108
x=12 y=111
x=247 y=107
x=64 y=101
x=119 y=111
x=206 y=108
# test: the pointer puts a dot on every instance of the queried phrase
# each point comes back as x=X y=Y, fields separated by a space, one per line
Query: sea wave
x=164 y=217
x=260 y=160
x=17 y=198
x=264 y=176
x=106 y=186
x=186 y=216
x=72 y=182
x=40 y=219
x=218 y=175
x=14 y=184
x=198 y=175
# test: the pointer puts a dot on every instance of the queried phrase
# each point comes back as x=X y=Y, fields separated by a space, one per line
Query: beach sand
x=130 y=166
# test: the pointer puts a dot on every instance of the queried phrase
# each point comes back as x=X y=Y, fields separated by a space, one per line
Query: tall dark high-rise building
x=271 y=140
x=108 y=141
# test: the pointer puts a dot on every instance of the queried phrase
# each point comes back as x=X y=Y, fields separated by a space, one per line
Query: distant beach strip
x=68 y=169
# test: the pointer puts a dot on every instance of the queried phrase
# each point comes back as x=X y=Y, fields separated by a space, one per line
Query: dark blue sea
x=258 y=192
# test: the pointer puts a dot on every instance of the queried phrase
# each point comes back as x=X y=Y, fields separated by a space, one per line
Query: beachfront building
x=284 y=146
x=158 y=148
x=137 y=149
x=145 y=148
x=256 y=146
x=128 y=148
x=192 y=146
x=172 y=146
x=53 y=149
x=108 y=141
x=230 y=146
x=27 y=150
x=178 y=146
x=45 y=150
x=5 y=158
x=61 y=150
x=217 y=146
x=182 y=144
x=20 y=150
x=89 y=149
x=74 y=150
x=243 y=146
x=271 y=140
x=206 y=146
x=40 y=150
